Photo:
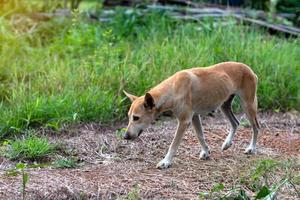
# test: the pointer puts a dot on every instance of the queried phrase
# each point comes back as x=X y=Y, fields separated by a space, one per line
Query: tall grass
x=77 y=71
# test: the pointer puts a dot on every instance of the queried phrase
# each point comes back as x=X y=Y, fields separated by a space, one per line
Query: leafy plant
x=120 y=133
x=245 y=123
x=132 y=195
x=29 y=147
x=104 y=148
x=257 y=182
x=215 y=189
x=66 y=163
x=25 y=177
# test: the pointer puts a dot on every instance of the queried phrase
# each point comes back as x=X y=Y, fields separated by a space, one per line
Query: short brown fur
x=193 y=92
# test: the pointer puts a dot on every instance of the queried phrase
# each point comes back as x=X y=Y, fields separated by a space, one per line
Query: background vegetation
x=71 y=69
x=74 y=70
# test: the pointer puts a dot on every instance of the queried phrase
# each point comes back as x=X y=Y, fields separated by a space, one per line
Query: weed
x=63 y=149
x=104 y=148
x=132 y=195
x=258 y=182
x=245 y=122
x=120 y=133
x=25 y=177
x=30 y=147
x=66 y=163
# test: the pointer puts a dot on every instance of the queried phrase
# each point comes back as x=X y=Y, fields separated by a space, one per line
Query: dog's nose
x=127 y=136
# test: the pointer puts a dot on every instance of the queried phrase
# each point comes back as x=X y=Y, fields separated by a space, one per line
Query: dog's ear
x=149 y=101
x=130 y=96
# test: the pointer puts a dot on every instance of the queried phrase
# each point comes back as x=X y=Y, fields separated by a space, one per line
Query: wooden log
x=272 y=28
x=187 y=13
x=287 y=30
x=200 y=16
x=113 y=3
x=178 y=3
x=185 y=9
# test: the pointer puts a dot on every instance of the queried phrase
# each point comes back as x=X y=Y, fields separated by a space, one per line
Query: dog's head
x=140 y=114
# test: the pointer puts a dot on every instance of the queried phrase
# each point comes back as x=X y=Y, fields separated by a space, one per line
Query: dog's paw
x=226 y=145
x=163 y=164
x=250 y=150
x=204 y=155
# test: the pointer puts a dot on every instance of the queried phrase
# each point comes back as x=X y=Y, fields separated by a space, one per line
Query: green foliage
x=215 y=189
x=77 y=71
x=245 y=123
x=104 y=148
x=20 y=168
x=120 y=132
x=132 y=195
x=257 y=181
x=29 y=147
x=288 y=6
x=66 y=163
x=263 y=192
x=218 y=187
x=9 y=7
x=25 y=177
x=263 y=168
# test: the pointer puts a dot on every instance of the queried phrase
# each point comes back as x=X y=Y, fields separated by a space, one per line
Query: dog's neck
x=162 y=98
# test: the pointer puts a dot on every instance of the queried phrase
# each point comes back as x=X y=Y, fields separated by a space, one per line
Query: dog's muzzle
x=128 y=137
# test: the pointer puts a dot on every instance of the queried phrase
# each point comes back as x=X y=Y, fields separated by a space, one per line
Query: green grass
x=67 y=71
x=265 y=178
x=29 y=147
x=133 y=194
x=66 y=163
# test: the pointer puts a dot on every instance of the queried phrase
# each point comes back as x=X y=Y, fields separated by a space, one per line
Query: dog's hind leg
x=196 y=121
x=226 y=109
x=251 y=112
x=167 y=161
x=249 y=103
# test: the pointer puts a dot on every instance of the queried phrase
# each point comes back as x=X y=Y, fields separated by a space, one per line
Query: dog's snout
x=127 y=136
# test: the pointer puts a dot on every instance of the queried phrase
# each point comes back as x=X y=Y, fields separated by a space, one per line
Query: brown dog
x=193 y=92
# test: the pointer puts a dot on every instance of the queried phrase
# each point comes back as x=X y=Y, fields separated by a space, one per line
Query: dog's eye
x=135 y=118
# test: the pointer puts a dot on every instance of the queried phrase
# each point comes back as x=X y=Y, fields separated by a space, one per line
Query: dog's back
x=224 y=73
x=209 y=87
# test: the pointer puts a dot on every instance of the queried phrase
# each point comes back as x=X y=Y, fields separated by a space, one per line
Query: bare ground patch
x=114 y=167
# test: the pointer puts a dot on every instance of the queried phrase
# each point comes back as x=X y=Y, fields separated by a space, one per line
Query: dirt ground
x=113 y=168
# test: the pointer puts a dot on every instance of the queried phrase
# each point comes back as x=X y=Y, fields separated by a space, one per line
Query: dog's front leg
x=167 y=161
